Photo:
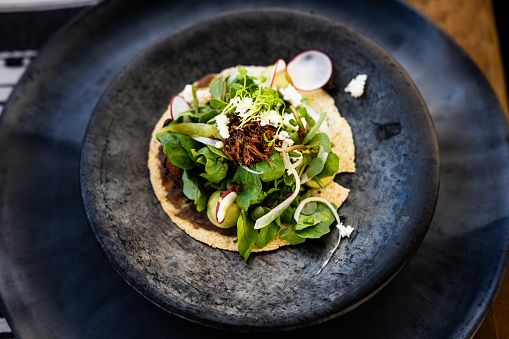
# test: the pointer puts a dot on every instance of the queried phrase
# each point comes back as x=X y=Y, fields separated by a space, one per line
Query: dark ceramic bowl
x=391 y=203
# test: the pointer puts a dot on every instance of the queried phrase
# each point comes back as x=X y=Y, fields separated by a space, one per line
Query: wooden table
x=471 y=24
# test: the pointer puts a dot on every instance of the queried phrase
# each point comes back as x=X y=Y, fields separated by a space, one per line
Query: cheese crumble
x=270 y=118
x=222 y=123
x=345 y=231
x=290 y=94
x=356 y=86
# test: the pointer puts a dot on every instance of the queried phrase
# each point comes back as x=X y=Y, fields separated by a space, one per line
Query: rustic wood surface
x=471 y=24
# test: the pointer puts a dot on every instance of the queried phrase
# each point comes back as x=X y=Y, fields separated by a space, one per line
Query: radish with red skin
x=309 y=70
x=178 y=106
x=225 y=201
x=279 y=66
x=230 y=208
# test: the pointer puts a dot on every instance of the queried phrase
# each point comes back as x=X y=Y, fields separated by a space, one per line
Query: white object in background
x=42 y=5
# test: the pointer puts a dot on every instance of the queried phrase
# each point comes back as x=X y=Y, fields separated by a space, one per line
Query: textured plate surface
x=54 y=281
x=391 y=203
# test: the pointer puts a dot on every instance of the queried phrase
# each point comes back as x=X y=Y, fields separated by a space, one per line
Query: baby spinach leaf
x=269 y=198
x=270 y=172
x=220 y=186
x=216 y=89
x=217 y=174
x=218 y=152
x=246 y=234
x=177 y=154
x=267 y=234
x=287 y=215
x=189 y=144
x=210 y=158
x=289 y=235
x=168 y=136
x=208 y=115
x=314 y=232
x=194 y=191
x=251 y=187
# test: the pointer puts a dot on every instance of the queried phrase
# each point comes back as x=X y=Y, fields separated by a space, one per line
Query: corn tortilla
x=341 y=137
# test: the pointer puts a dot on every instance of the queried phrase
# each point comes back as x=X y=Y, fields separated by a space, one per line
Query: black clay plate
x=393 y=192
x=55 y=282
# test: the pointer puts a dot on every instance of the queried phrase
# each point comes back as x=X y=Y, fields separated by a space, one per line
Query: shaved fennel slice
x=334 y=212
x=249 y=170
x=273 y=214
x=206 y=141
x=330 y=255
x=315 y=116
x=305 y=201
x=297 y=163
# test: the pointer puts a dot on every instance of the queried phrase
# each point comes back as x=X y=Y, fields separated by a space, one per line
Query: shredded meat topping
x=247 y=144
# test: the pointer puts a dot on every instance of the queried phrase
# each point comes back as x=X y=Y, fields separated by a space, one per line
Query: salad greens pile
x=248 y=137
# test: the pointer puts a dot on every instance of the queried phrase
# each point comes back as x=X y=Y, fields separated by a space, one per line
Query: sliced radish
x=178 y=106
x=309 y=70
x=279 y=66
x=225 y=201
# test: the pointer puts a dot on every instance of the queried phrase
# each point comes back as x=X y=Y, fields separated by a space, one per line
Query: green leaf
x=177 y=154
x=314 y=232
x=189 y=144
x=321 y=139
x=242 y=72
x=309 y=208
x=206 y=154
x=315 y=128
x=218 y=174
x=169 y=136
x=221 y=186
x=208 y=116
x=270 y=172
x=218 y=152
x=306 y=221
x=251 y=187
x=193 y=129
x=287 y=215
x=323 y=227
x=303 y=112
x=246 y=235
x=315 y=166
x=331 y=166
x=216 y=89
x=269 y=198
x=289 y=235
x=218 y=104
x=295 y=138
x=194 y=191
x=267 y=234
